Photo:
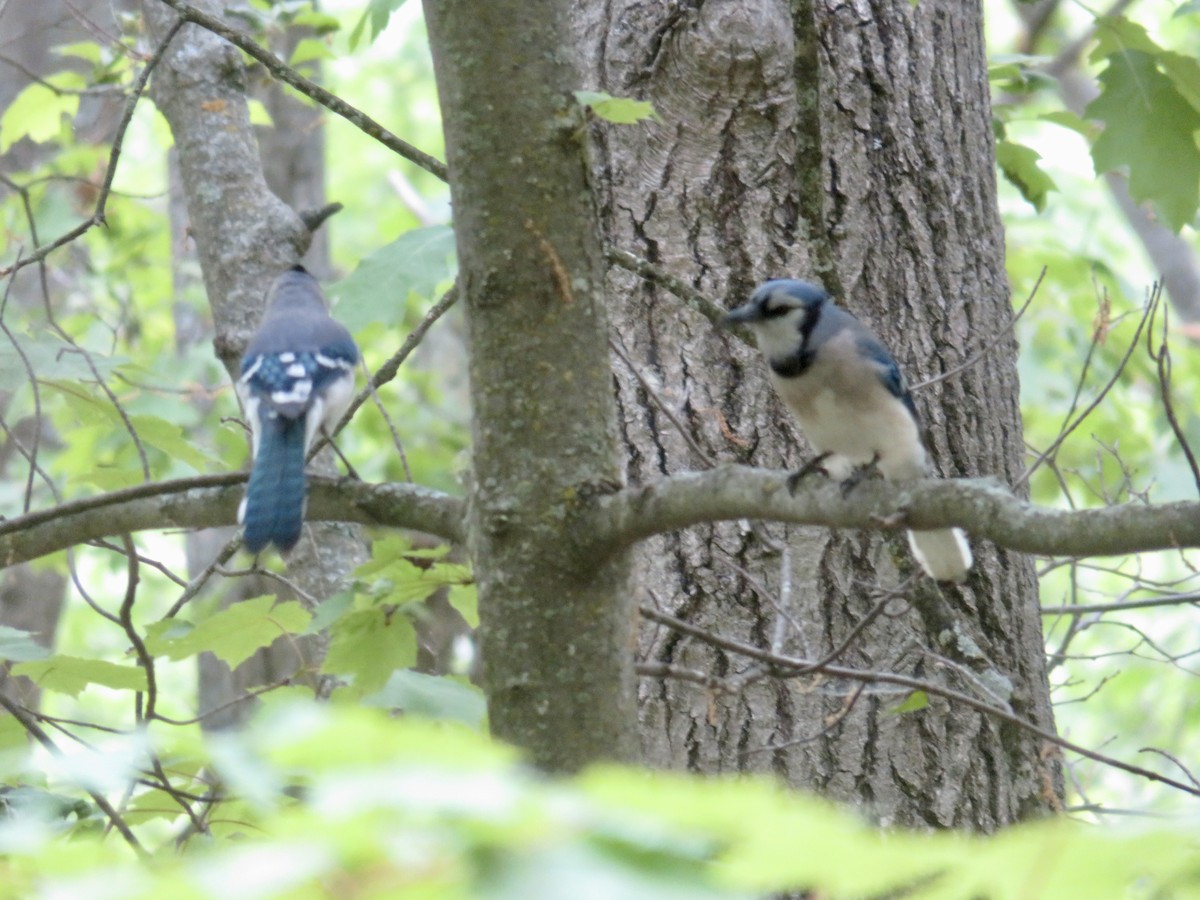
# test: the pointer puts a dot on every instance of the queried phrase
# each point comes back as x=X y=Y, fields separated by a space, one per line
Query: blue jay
x=297 y=378
x=849 y=398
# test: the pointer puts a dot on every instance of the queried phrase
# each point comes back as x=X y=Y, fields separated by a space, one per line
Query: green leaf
x=20 y=646
x=71 y=674
x=33 y=803
x=36 y=113
x=321 y=23
x=1149 y=129
x=1020 y=166
x=399 y=574
x=258 y=113
x=913 y=702
x=151 y=805
x=378 y=12
x=169 y=438
x=418 y=262
x=330 y=610
x=1118 y=36
x=465 y=599
x=432 y=696
x=308 y=50
x=1184 y=72
x=13 y=740
x=620 y=110
x=88 y=51
x=1068 y=119
x=233 y=634
x=368 y=645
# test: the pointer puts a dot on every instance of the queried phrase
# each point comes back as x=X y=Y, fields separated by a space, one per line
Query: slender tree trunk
x=556 y=629
x=850 y=144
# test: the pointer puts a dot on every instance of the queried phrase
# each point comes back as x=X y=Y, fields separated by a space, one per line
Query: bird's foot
x=813 y=465
x=859 y=475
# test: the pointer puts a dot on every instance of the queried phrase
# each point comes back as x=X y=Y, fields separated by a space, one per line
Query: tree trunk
x=849 y=144
x=555 y=629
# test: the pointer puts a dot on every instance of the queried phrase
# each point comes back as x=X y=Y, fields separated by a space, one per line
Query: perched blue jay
x=297 y=378
x=849 y=397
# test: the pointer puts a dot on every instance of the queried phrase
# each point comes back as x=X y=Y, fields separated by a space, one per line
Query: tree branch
x=790 y=666
x=210 y=501
x=98 y=215
x=983 y=507
x=288 y=75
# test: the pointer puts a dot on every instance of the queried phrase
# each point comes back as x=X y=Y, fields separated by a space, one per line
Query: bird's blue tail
x=273 y=511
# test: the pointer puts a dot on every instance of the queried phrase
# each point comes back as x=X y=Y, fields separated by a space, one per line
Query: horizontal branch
x=211 y=501
x=984 y=508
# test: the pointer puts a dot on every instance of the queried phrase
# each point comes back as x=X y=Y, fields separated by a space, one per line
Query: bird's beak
x=743 y=315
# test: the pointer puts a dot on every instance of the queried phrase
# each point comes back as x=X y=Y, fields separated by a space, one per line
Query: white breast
x=844 y=409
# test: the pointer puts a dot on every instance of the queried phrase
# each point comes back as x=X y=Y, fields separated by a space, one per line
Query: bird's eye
x=774 y=310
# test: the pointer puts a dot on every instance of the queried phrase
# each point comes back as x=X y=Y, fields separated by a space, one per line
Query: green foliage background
x=346 y=800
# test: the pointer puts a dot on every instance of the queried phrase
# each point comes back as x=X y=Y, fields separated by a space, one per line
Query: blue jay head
x=295 y=291
x=781 y=307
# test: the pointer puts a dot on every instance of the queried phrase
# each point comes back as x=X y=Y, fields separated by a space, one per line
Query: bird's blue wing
x=889 y=372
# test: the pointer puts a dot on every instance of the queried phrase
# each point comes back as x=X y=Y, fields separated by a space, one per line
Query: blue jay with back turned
x=849 y=398
x=297 y=379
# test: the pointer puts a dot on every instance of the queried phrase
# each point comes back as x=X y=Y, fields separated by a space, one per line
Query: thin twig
x=145 y=660
x=1082 y=608
x=1186 y=771
x=197 y=584
x=792 y=666
x=1069 y=427
x=37 y=401
x=31 y=726
x=1163 y=365
x=677 y=286
x=661 y=404
x=990 y=343
x=388 y=370
x=249 y=695
x=827 y=725
x=97 y=216
x=290 y=76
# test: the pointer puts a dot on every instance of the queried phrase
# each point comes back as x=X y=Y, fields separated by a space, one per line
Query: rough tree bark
x=851 y=144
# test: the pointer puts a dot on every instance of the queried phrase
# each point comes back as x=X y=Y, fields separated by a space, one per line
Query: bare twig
x=202 y=578
x=1082 y=608
x=789 y=667
x=1070 y=426
x=990 y=343
x=388 y=370
x=145 y=660
x=661 y=404
x=677 y=286
x=97 y=216
x=35 y=731
x=1162 y=361
x=33 y=383
x=1186 y=771
x=290 y=76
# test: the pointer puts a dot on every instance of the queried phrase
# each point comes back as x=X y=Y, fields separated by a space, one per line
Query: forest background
x=130 y=674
